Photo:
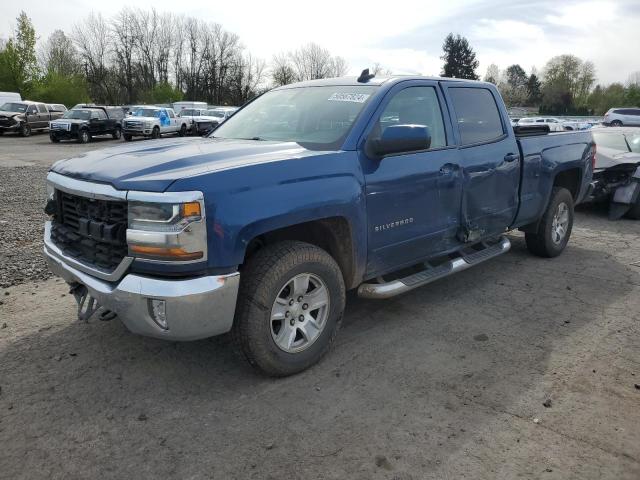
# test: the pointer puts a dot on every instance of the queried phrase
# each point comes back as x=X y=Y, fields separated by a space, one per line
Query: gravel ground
x=521 y=367
x=22 y=195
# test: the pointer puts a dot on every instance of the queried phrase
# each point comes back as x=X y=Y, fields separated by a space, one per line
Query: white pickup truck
x=153 y=122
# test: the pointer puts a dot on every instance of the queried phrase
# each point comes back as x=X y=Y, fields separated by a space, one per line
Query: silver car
x=617 y=117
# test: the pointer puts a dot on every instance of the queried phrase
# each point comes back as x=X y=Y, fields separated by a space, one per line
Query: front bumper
x=195 y=308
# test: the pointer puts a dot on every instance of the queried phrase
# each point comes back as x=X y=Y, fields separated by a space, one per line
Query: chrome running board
x=430 y=274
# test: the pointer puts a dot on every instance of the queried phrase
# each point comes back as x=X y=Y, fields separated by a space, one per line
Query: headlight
x=172 y=231
x=147 y=124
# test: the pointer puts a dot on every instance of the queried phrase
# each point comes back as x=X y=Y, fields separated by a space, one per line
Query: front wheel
x=183 y=130
x=155 y=133
x=127 y=137
x=54 y=139
x=290 y=307
x=83 y=136
x=25 y=130
x=555 y=227
x=117 y=133
x=634 y=211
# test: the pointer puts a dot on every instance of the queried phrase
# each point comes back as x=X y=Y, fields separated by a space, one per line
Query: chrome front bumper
x=195 y=308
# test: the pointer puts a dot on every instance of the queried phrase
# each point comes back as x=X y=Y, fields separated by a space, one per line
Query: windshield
x=147 y=112
x=189 y=112
x=77 y=114
x=315 y=117
x=14 y=107
x=615 y=141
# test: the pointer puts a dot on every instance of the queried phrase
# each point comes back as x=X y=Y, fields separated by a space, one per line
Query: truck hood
x=143 y=119
x=10 y=114
x=609 y=157
x=154 y=165
x=70 y=120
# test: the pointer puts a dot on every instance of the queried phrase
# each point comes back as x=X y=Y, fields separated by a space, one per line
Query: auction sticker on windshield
x=349 y=97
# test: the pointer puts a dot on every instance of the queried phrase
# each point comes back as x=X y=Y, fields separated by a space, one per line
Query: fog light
x=158 y=312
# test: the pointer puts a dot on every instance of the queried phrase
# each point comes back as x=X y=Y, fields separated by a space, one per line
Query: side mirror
x=402 y=138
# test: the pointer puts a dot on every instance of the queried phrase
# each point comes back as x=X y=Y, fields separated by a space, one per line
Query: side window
x=101 y=115
x=417 y=106
x=171 y=114
x=33 y=110
x=94 y=115
x=633 y=111
x=42 y=108
x=478 y=116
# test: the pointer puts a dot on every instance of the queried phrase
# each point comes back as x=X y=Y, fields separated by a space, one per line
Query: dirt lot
x=448 y=381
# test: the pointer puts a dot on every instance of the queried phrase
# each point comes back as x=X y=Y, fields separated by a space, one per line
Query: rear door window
x=478 y=116
x=42 y=108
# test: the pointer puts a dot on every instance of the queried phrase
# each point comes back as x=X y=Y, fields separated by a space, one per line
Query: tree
x=459 y=58
x=310 y=62
x=380 y=71
x=66 y=89
x=19 y=57
x=567 y=83
x=282 y=73
x=516 y=77
x=493 y=74
x=59 y=56
x=534 y=86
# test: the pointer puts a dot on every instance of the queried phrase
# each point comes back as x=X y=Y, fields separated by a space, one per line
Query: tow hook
x=88 y=305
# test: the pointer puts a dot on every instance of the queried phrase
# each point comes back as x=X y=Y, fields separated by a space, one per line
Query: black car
x=86 y=121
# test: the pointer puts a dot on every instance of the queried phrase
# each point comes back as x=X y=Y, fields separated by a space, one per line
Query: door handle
x=510 y=157
x=446 y=170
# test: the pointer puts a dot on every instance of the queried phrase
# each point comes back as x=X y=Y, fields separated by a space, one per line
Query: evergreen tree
x=459 y=58
x=534 y=90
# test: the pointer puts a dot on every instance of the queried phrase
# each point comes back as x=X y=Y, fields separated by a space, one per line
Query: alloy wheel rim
x=560 y=223
x=299 y=313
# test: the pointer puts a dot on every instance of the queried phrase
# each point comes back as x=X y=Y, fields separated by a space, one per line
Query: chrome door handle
x=510 y=157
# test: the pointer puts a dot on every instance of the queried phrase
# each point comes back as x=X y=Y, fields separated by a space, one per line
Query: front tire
x=554 y=229
x=54 y=139
x=25 y=130
x=183 y=130
x=634 y=211
x=127 y=137
x=83 y=136
x=290 y=307
x=155 y=133
x=117 y=133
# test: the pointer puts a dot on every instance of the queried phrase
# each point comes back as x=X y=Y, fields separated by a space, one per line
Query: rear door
x=489 y=157
x=43 y=116
x=631 y=116
x=413 y=198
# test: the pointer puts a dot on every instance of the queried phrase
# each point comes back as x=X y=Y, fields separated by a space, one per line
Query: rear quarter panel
x=543 y=158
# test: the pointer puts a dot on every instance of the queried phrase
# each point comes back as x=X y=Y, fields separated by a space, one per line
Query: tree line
x=566 y=85
x=143 y=56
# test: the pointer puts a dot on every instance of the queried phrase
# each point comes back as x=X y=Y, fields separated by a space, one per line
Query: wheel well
x=331 y=234
x=569 y=179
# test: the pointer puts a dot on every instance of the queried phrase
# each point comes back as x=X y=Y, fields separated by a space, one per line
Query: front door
x=413 y=198
x=490 y=162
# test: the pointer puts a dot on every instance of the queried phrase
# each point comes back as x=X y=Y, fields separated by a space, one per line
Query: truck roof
x=375 y=81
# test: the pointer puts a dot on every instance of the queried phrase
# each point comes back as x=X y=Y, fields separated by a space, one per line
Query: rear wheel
x=290 y=307
x=616 y=123
x=155 y=133
x=117 y=133
x=25 y=130
x=555 y=227
x=83 y=136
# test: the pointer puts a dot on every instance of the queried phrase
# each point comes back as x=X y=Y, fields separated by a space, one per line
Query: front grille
x=60 y=126
x=134 y=124
x=92 y=231
x=5 y=121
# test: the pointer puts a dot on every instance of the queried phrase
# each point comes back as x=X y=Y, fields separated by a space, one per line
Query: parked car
x=212 y=118
x=554 y=124
x=179 y=106
x=87 y=121
x=25 y=116
x=196 y=118
x=376 y=185
x=618 y=117
x=153 y=122
x=56 y=107
x=616 y=176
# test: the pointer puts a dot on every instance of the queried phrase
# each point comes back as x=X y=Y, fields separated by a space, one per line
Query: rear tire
x=155 y=133
x=616 y=123
x=554 y=229
x=276 y=325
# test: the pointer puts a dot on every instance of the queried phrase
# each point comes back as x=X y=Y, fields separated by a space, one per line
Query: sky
x=404 y=36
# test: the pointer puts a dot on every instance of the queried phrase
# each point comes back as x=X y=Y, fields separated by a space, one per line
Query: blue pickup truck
x=310 y=190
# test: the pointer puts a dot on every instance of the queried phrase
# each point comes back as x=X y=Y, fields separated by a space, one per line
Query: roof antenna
x=365 y=76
